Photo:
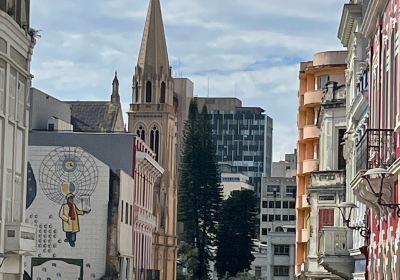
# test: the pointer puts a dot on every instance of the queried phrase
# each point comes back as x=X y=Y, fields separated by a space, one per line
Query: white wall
x=64 y=261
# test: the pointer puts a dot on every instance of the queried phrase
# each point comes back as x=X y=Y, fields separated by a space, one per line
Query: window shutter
x=326 y=218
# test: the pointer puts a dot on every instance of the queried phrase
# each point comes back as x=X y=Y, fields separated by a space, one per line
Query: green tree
x=200 y=193
x=236 y=231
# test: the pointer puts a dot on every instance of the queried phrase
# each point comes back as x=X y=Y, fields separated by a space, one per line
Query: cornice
x=372 y=15
x=351 y=13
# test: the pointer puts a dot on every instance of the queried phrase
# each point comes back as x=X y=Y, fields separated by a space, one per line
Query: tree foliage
x=236 y=231
x=200 y=193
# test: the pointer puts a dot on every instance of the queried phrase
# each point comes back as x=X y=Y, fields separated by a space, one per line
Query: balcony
x=310 y=132
x=312 y=98
x=310 y=165
x=376 y=148
x=334 y=245
x=20 y=239
x=335 y=178
x=303 y=202
x=302 y=236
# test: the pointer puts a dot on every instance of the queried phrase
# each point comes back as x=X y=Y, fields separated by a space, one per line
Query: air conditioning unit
x=20 y=238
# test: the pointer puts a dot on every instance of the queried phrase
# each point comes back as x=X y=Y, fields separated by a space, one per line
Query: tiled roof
x=93 y=116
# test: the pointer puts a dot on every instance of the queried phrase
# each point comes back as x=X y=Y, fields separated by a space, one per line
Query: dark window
x=148 y=92
x=277 y=217
x=122 y=211
x=258 y=272
x=265 y=204
x=141 y=133
x=341 y=160
x=51 y=126
x=264 y=231
x=291 y=230
x=292 y=205
x=277 y=204
x=137 y=92
x=265 y=218
x=130 y=215
x=291 y=191
x=285 y=217
x=162 y=97
x=292 y=217
x=271 y=204
x=280 y=270
x=155 y=141
x=322 y=81
x=281 y=250
x=126 y=212
x=285 y=205
x=279 y=229
x=270 y=218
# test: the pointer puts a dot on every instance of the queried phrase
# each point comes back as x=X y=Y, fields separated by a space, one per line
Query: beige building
x=17 y=239
x=157 y=113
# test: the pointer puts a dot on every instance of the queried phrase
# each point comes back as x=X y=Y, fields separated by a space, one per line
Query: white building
x=16 y=45
x=234 y=182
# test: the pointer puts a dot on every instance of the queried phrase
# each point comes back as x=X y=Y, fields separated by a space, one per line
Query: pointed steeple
x=153 y=56
x=115 y=99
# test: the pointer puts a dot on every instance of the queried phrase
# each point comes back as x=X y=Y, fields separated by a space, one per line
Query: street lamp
x=364 y=231
x=380 y=182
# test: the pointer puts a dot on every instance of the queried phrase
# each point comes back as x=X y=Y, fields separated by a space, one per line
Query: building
x=285 y=168
x=234 y=182
x=242 y=135
x=157 y=114
x=313 y=78
x=133 y=175
x=357 y=78
x=17 y=39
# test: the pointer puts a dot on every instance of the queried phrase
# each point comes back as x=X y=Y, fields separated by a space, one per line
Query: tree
x=236 y=231
x=200 y=193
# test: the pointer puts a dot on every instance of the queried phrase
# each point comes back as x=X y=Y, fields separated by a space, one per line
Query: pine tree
x=236 y=231
x=200 y=193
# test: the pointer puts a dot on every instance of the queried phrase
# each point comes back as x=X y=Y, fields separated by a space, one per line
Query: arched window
x=137 y=92
x=155 y=140
x=162 y=97
x=279 y=229
x=148 y=92
x=141 y=133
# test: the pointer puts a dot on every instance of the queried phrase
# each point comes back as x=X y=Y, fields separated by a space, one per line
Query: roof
x=93 y=116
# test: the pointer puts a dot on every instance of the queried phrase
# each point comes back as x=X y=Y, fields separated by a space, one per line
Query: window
x=155 y=140
x=141 y=133
x=122 y=211
x=137 y=92
x=280 y=270
x=130 y=215
x=326 y=218
x=285 y=217
x=12 y=95
x=2 y=85
x=265 y=204
x=265 y=218
x=291 y=230
x=277 y=204
x=148 y=92
x=326 y=198
x=281 y=250
x=340 y=156
x=285 y=205
x=271 y=204
x=270 y=218
x=258 y=272
x=292 y=204
x=273 y=191
x=322 y=81
x=162 y=97
x=292 y=217
x=264 y=231
x=51 y=127
x=126 y=212
x=21 y=100
x=291 y=191
x=279 y=229
x=277 y=217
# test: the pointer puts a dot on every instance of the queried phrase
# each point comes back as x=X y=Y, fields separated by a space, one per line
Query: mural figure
x=69 y=214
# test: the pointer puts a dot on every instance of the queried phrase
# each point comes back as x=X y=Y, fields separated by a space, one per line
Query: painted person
x=69 y=214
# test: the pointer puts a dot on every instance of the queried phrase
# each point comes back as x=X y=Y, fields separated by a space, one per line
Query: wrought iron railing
x=376 y=148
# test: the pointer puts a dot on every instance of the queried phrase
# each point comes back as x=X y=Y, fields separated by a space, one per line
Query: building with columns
x=157 y=113
x=17 y=39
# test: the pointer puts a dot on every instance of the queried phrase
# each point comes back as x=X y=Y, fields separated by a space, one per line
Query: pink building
x=146 y=171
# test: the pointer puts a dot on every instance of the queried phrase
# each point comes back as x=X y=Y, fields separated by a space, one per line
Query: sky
x=249 y=49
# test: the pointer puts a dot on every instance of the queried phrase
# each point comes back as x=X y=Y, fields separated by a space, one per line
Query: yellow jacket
x=68 y=224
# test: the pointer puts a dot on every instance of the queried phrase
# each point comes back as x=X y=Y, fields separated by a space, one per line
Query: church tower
x=153 y=118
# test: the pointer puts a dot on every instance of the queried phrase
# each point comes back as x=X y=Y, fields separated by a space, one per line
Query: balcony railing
x=375 y=149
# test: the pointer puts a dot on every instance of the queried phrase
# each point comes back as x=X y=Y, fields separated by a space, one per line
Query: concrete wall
x=330 y=58
x=219 y=103
x=56 y=172
x=44 y=107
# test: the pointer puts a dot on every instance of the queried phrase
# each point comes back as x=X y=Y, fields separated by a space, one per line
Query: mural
x=67 y=200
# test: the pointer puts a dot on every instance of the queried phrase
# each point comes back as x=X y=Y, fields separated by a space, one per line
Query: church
x=157 y=114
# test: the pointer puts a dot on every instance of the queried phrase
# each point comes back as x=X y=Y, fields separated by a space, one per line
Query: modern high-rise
x=243 y=136
x=17 y=40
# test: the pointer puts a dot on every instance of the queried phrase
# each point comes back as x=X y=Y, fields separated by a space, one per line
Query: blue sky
x=250 y=49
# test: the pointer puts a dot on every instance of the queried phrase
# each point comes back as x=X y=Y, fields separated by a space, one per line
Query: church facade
x=158 y=109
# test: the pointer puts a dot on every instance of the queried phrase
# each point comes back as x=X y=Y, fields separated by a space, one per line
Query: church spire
x=153 y=56
x=115 y=99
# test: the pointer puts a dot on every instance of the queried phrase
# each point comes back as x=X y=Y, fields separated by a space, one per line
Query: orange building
x=313 y=76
